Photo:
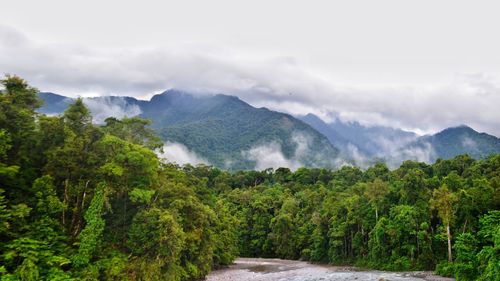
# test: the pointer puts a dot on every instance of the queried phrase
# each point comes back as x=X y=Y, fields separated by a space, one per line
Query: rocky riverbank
x=246 y=269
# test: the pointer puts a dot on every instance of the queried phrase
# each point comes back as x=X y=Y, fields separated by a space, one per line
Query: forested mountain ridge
x=367 y=145
x=231 y=134
x=80 y=201
x=223 y=129
x=460 y=140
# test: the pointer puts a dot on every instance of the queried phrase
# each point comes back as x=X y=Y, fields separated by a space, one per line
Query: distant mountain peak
x=167 y=95
x=172 y=91
x=311 y=116
x=173 y=94
x=462 y=128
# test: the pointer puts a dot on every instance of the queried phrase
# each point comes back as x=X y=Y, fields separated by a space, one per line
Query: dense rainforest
x=80 y=201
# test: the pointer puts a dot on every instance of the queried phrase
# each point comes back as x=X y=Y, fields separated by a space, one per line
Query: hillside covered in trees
x=85 y=202
x=223 y=130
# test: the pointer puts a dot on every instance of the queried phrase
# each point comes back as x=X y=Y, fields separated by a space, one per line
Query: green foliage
x=465 y=257
x=47 y=201
x=158 y=239
x=138 y=195
x=489 y=256
x=445 y=268
x=78 y=117
x=226 y=236
x=32 y=258
x=90 y=236
x=133 y=130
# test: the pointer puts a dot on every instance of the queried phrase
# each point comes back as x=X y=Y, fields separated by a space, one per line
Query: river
x=245 y=269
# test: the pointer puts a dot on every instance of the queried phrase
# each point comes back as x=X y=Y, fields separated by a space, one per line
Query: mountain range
x=220 y=129
x=366 y=145
x=227 y=132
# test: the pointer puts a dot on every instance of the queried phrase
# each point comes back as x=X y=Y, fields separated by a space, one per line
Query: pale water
x=245 y=269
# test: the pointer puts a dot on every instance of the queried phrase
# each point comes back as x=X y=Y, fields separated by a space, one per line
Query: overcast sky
x=417 y=65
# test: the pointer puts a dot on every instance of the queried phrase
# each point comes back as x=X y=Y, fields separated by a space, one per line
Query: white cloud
x=421 y=153
x=279 y=83
x=270 y=156
x=180 y=154
x=105 y=107
x=358 y=157
x=469 y=143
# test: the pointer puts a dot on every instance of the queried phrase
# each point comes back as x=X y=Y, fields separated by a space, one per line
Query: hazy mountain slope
x=359 y=143
x=223 y=129
x=53 y=103
x=101 y=107
x=226 y=130
x=375 y=140
x=364 y=145
x=326 y=129
x=458 y=140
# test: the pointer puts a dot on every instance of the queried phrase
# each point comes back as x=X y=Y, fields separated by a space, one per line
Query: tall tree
x=443 y=201
x=376 y=192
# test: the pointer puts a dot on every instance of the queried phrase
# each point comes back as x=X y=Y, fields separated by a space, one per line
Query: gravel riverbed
x=286 y=270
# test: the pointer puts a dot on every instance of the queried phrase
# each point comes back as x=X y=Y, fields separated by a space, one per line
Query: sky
x=417 y=65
